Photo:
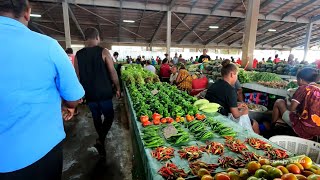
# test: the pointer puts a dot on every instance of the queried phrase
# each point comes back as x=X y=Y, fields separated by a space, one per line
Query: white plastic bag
x=243 y=121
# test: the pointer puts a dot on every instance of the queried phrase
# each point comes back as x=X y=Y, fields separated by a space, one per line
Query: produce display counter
x=151 y=166
x=260 y=88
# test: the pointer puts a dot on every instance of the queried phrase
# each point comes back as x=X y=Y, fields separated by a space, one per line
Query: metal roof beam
x=277 y=8
x=182 y=9
x=216 y=6
x=224 y=30
x=193 y=28
x=194 y=4
x=141 y=19
x=218 y=22
x=292 y=28
x=120 y=22
x=308 y=12
x=265 y=3
x=73 y=17
x=36 y=27
x=158 y=28
x=298 y=8
x=172 y=3
x=229 y=36
x=183 y=18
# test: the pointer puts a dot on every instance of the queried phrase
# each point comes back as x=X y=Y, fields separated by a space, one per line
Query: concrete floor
x=82 y=163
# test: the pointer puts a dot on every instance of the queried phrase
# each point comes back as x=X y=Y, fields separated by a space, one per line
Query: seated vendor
x=303 y=114
x=224 y=93
x=184 y=79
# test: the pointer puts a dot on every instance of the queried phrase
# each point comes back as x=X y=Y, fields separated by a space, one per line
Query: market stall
x=175 y=139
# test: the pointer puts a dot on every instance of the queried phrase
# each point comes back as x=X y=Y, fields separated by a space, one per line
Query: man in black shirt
x=95 y=70
x=204 y=57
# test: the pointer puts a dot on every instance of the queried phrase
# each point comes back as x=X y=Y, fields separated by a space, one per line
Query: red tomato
x=144 y=119
x=156 y=116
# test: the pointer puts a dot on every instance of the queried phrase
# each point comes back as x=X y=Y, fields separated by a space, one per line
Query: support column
x=307 y=41
x=250 y=32
x=65 y=9
x=168 y=32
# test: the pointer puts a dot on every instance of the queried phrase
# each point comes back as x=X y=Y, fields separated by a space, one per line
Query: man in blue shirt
x=34 y=81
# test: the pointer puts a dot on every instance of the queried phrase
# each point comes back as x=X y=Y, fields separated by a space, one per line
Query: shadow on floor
x=81 y=163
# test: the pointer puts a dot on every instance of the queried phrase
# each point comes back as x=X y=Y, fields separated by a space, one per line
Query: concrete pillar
x=250 y=32
x=168 y=32
x=307 y=41
x=67 y=34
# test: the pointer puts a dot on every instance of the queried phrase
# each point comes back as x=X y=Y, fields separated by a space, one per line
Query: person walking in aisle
x=35 y=82
x=94 y=67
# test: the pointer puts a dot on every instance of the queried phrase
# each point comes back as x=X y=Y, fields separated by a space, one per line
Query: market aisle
x=79 y=163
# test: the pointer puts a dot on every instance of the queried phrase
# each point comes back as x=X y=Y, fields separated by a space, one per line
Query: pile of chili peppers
x=171 y=171
x=227 y=162
x=213 y=148
x=276 y=154
x=190 y=153
x=235 y=145
x=250 y=156
x=197 y=165
x=163 y=153
x=258 y=144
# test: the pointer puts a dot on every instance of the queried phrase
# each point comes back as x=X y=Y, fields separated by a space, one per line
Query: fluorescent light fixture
x=77 y=45
x=272 y=30
x=213 y=27
x=128 y=21
x=35 y=15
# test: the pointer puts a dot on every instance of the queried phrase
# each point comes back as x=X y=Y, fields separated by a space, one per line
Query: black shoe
x=101 y=150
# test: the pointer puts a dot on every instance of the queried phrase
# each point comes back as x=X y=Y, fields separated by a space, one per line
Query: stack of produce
x=286 y=170
x=135 y=74
x=281 y=68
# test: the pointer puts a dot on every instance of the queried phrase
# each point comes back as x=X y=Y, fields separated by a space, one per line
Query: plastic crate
x=299 y=146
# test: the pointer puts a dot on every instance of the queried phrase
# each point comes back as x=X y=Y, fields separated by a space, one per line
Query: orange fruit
x=306 y=162
x=289 y=176
x=292 y=168
x=283 y=169
x=264 y=162
x=221 y=176
x=207 y=177
x=253 y=166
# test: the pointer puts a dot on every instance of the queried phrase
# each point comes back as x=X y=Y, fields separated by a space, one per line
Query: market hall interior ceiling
x=282 y=24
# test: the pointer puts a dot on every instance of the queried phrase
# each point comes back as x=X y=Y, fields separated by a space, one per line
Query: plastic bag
x=243 y=121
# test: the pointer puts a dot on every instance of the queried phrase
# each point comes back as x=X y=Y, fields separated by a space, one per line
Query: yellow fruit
x=180 y=178
x=289 y=176
x=275 y=173
x=264 y=162
x=306 y=162
x=203 y=172
x=283 y=169
x=266 y=167
x=244 y=174
x=314 y=177
x=299 y=166
x=234 y=175
x=207 y=177
x=253 y=166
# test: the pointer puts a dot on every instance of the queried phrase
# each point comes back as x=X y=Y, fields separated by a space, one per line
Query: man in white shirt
x=174 y=75
x=149 y=67
x=175 y=59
